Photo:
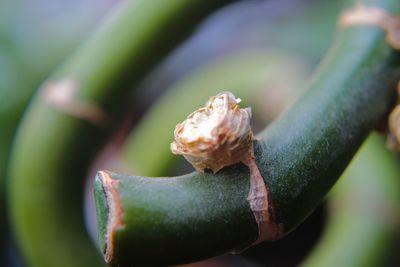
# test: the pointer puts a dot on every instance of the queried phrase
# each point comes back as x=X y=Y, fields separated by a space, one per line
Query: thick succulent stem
x=300 y=157
x=55 y=144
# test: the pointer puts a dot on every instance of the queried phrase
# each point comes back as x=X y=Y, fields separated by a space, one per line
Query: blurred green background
x=264 y=51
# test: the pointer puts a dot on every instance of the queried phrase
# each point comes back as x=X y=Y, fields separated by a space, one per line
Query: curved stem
x=300 y=157
x=66 y=125
x=28 y=57
x=364 y=211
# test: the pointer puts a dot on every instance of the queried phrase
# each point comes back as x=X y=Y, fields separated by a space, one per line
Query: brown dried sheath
x=231 y=141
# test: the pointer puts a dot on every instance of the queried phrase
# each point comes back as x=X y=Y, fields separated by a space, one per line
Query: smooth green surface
x=364 y=211
x=307 y=149
x=177 y=217
x=53 y=150
x=300 y=155
x=252 y=75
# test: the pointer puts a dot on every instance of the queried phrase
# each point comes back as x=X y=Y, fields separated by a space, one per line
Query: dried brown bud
x=219 y=135
x=216 y=135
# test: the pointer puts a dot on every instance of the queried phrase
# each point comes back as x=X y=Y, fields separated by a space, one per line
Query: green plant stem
x=53 y=150
x=253 y=75
x=364 y=211
x=300 y=157
x=23 y=55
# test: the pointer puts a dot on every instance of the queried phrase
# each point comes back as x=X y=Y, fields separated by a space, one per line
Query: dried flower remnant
x=216 y=135
x=220 y=135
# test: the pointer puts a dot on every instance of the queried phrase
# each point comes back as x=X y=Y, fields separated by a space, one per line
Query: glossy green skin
x=241 y=73
x=53 y=150
x=363 y=211
x=300 y=155
x=305 y=151
x=204 y=205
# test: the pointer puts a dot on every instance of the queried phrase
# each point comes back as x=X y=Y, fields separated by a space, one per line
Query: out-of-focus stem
x=56 y=143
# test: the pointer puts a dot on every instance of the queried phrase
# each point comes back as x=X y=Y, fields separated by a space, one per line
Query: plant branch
x=300 y=157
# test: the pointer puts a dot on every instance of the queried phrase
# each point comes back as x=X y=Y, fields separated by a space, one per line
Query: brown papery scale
x=220 y=135
x=393 y=141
